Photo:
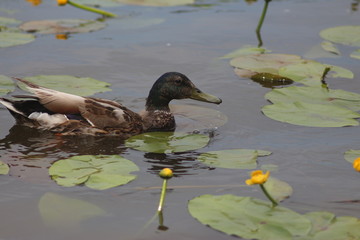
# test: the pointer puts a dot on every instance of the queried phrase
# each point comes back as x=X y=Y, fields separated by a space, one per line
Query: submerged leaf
x=330 y=47
x=96 y=172
x=4 y=21
x=70 y=84
x=62 y=26
x=167 y=142
x=4 y=168
x=6 y=85
x=137 y=23
x=347 y=35
x=311 y=115
x=355 y=54
x=351 y=155
x=233 y=158
x=248 y=218
x=9 y=39
x=156 y=2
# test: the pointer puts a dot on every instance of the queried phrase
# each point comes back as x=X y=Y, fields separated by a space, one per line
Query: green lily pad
x=330 y=47
x=248 y=218
x=310 y=72
x=75 y=85
x=9 y=39
x=355 y=54
x=311 y=115
x=61 y=211
x=351 y=155
x=6 y=85
x=160 y=3
x=278 y=189
x=317 y=95
x=347 y=35
x=167 y=142
x=4 y=168
x=245 y=50
x=96 y=172
x=233 y=158
x=60 y=26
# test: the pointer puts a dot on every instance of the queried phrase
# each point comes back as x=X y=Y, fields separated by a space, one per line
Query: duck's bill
x=204 y=97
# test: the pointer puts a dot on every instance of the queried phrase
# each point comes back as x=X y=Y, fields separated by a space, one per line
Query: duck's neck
x=157 y=102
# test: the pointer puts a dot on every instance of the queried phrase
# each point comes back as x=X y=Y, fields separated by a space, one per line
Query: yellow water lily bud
x=166 y=173
x=62 y=2
x=34 y=2
x=258 y=177
x=61 y=36
x=356 y=164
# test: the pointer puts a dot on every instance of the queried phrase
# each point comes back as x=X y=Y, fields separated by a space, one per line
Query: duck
x=68 y=114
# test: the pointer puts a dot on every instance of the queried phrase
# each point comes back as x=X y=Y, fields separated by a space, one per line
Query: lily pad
x=330 y=47
x=96 y=172
x=233 y=158
x=9 y=39
x=311 y=115
x=167 y=142
x=351 y=155
x=155 y=3
x=61 y=211
x=355 y=54
x=6 y=85
x=245 y=50
x=82 y=86
x=278 y=189
x=4 y=168
x=248 y=218
x=62 y=26
x=317 y=95
x=190 y=117
x=347 y=35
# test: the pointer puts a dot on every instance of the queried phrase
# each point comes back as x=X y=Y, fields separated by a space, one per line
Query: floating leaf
x=330 y=47
x=355 y=54
x=4 y=168
x=167 y=142
x=312 y=115
x=60 y=211
x=233 y=158
x=347 y=35
x=191 y=117
x=351 y=155
x=245 y=50
x=6 y=85
x=97 y=3
x=62 y=26
x=156 y=2
x=278 y=189
x=9 y=39
x=4 y=21
x=317 y=95
x=248 y=218
x=96 y=172
x=71 y=84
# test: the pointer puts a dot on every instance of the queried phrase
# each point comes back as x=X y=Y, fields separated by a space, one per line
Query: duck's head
x=174 y=85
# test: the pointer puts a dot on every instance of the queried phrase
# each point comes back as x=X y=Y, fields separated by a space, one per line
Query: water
x=190 y=40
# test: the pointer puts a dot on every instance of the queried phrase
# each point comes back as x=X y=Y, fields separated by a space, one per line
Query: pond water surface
x=189 y=40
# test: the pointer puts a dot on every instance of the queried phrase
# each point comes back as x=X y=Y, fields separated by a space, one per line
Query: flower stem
x=261 y=21
x=163 y=194
x=274 y=203
x=95 y=10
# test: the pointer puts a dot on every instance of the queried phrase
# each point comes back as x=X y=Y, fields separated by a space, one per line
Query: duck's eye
x=177 y=81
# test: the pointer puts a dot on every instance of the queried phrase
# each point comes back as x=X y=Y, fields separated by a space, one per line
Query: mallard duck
x=68 y=114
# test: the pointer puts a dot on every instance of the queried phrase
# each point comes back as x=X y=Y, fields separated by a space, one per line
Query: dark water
x=190 y=40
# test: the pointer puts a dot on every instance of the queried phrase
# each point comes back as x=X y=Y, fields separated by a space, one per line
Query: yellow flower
x=34 y=2
x=62 y=2
x=166 y=173
x=258 y=177
x=61 y=36
x=356 y=164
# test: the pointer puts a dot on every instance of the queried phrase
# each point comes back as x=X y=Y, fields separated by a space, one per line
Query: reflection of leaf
x=278 y=189
x=167 y=142
x=60 y=211
x=233 y=158
x=62 y=26
x=351 y=155
x=4 y=168
x=355 y=54
x=347 y=35
x=245 y=50
x=315 y=95
x=6 y=85
x=312 y=115
x=156 y=2
x=330 y=47
x=317 y=51
x=70 y=84
x=8 y=39
x=248 y=218
x=97 y=172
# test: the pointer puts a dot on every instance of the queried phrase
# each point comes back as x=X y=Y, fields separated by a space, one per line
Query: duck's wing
x=55 y=101
x=105 y=114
